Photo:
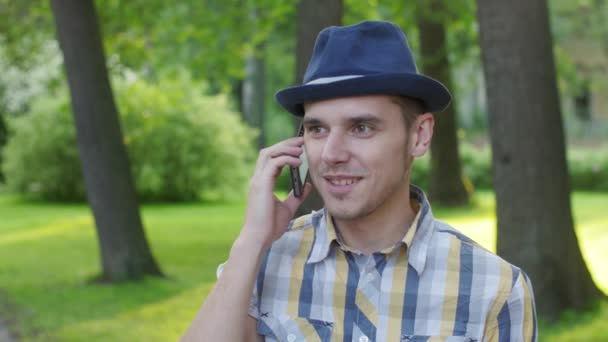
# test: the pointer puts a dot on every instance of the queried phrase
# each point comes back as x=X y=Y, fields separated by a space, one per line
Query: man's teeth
x=343 y=181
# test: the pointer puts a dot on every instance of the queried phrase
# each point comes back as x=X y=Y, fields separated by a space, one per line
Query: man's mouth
x=341 y=185
x=342 y=181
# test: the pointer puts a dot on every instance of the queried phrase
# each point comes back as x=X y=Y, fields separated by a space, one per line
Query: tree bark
x=254 y=92
x=312 y=17
x=110 y=190
x=446 y=186
x=535 y=225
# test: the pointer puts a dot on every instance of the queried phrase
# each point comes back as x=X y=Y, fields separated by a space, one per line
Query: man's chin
x=343 y=212
x=341 y=199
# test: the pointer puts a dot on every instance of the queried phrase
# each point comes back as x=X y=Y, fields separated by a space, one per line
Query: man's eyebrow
x=310 y=121
x=364 y=118
x=354 y=119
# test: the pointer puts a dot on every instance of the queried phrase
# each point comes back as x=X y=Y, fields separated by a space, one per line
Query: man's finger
x=291 y=146
x=292 y=202
x=273 y=167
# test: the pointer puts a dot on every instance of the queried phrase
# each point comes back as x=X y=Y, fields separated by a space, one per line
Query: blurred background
x=129 y=130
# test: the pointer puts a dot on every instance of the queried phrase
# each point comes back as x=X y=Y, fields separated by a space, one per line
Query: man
x=373 y=265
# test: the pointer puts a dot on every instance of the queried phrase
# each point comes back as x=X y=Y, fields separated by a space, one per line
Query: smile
x=343 y=181
x=341 y=185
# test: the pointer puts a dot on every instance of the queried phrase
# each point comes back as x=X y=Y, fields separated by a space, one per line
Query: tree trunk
x=582 y=102
x=254 y=92
x=535 y=225
x=447 y=187
x=312 y=17
x=110 y=190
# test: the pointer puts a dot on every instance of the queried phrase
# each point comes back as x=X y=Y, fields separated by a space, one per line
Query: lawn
x=48 y=253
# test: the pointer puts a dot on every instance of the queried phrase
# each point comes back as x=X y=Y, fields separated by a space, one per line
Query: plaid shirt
x=434 y=285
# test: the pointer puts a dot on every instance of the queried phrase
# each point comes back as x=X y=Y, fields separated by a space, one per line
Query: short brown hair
x=410 y=108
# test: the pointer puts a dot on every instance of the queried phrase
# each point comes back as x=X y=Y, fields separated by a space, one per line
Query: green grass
x=48 y=253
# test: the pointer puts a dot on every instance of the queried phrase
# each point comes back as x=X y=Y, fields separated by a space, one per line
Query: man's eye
x=363 y=129
x=314 y=130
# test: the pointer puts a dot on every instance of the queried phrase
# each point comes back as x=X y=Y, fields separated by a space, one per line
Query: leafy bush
x=475 y=163
x=183 y=145
x=41 y=157
x=421 y=172
x=588 y=168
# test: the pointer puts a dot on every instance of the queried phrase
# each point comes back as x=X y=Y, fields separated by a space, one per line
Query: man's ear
x=422 y=134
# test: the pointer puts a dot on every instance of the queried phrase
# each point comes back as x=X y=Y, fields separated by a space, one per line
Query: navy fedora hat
x=372 y=57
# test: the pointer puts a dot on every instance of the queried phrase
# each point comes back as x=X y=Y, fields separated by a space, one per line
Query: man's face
x=357 y=149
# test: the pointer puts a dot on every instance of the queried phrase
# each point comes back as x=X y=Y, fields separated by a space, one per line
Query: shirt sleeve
x=516 y=319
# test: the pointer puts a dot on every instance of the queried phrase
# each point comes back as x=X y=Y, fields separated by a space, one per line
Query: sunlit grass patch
x=578 y=326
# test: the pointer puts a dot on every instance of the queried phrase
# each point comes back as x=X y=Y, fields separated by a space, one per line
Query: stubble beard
x=350 y=214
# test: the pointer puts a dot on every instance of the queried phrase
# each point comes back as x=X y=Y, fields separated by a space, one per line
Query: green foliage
x=421 y=171
x=475 y=162
x=20 y=85
x=283 y=183
x=580 y=37
x=587 y=325
x=211 y=38
x=25 y=27
x=3 y=139
x=183 y=145
x=41 y=157
x=477 y=165
x=588 y=168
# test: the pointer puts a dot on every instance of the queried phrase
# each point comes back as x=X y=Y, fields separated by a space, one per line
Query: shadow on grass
x=42 y=309
x=49 y=254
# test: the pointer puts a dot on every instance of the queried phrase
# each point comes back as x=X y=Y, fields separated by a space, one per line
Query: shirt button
x=370 y=278
x=291 y=338
x=363 y=339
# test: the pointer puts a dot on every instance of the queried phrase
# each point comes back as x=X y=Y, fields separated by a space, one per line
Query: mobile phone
x=299 y=175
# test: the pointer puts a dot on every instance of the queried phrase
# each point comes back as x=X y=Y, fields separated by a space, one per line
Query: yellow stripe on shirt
x=339 y=295
x=502 y=293
x=366 y=307
x=397 y=296
x=528 y=317
x=297 y=271
x=308 y=330
x=450 y=303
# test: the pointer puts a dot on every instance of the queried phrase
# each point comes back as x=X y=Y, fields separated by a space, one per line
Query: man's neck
x=382 y=228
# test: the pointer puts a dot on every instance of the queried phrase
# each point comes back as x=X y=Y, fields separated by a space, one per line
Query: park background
x=118 y=203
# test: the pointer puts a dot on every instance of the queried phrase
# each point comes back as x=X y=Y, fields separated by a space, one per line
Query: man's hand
x=267 y=217
x=265 y=221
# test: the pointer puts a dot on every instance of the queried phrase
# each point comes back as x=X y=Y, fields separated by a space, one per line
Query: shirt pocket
x=437 y=338
x=287 y=329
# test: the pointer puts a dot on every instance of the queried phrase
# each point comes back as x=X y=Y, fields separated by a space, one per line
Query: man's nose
x=335 y=150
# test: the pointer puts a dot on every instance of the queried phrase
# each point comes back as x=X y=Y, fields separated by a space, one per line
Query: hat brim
x=434 y=95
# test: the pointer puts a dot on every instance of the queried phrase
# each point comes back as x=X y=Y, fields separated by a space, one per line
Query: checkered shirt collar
x=326 y=237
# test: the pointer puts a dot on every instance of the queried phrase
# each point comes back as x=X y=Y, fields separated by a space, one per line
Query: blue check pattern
x=434 y=285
